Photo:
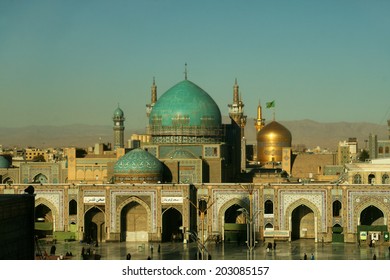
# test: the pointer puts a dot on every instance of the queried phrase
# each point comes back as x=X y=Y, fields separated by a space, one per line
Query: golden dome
x=271 y=140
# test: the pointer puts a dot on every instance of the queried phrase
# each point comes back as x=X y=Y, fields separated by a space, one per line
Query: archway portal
x=302 y=223
x=94 y=225
x=172 y=222
x=235 y=224
x=371 y=216
x=43 y=221
x=134 y=222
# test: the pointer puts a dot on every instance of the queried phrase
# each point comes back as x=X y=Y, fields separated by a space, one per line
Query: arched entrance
x=372 y=225
x=134 y=222
x=302 y=223
x=235 y=224
x=44 y=221
x=172 y=222
x=371 y=216
x=94 y=225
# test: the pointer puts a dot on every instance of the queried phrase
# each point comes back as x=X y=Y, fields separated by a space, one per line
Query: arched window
x=371 y=179
x=8 y=180
x=72 y=207
x=385 y=179
x=40 y=178
x=387 y=150
x=336 y=208
x=380 y=150
x=268 y=207
x=357 y=179
x=269 y=226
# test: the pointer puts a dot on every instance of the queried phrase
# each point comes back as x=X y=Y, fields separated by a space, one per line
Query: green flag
x=270 y=104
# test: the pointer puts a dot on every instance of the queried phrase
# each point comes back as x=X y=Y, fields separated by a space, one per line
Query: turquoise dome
x=185 y=104
x=4 y=163
x=138 y=161
x=118 y=113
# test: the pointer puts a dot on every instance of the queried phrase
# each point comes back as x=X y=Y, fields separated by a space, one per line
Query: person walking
x=305 y=256
x=312 y=256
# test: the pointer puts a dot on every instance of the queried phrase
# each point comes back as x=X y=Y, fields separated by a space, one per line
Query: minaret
x=236 y=109
x=236 y=113
x=259 y=122
x=153 y=100
x=119 y=128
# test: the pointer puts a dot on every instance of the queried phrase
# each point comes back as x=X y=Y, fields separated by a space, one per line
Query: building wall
x=17 y=227
x=112 y=207
x=309 y=165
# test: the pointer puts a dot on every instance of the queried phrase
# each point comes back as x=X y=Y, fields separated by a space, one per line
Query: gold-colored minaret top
x=259 y=122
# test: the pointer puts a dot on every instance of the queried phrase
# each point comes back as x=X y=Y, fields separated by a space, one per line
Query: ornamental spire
x=185 y=71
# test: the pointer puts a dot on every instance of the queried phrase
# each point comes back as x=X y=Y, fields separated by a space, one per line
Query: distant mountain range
x=304 y=132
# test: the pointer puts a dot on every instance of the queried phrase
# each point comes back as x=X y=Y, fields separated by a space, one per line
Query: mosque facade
x=190 y=179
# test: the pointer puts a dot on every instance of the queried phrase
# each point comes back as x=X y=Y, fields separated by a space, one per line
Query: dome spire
x=185 y=71
x=235 y=92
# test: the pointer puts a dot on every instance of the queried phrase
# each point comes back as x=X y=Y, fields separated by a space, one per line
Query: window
x=371 y=179
x=268 y=207
x=336 y=208
x=385 y=179
x=357 y=179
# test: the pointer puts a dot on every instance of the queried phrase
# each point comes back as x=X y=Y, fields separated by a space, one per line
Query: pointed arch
x=302 y=201
x=94 y=224
x=371 y=201
x=126 y=202
x=222 y=210
x=51 y=206
x=227 y=205
x=40 y=178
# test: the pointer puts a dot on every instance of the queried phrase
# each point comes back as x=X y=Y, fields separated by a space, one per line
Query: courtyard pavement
x=294 y=250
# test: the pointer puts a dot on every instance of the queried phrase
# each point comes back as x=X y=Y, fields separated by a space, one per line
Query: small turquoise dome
x=185 y=104
x=4 y=162
x=118 y=113
x=138 y=165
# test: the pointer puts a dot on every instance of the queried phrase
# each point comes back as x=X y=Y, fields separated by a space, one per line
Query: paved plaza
x=229 y=251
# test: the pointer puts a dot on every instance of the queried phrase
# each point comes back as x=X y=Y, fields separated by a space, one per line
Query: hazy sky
x=66 y=62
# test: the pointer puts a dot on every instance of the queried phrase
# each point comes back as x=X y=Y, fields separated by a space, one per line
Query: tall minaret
x=119 y=119
x=259 y=122
x=153 y=100
x=236 y=113
x=236 y=109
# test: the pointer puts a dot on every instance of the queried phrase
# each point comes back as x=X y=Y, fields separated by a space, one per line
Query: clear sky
x=72 y=61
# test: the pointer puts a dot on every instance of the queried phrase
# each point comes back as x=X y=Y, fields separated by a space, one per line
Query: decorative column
x=80 y=212
x=66 y=208
x=261 y=214
x=276 y=208
x=329 y=214
x=108 y=212
x=344 y=211
x=159 y=210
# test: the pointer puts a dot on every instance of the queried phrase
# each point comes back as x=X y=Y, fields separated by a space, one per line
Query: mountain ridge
x=305 y=132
